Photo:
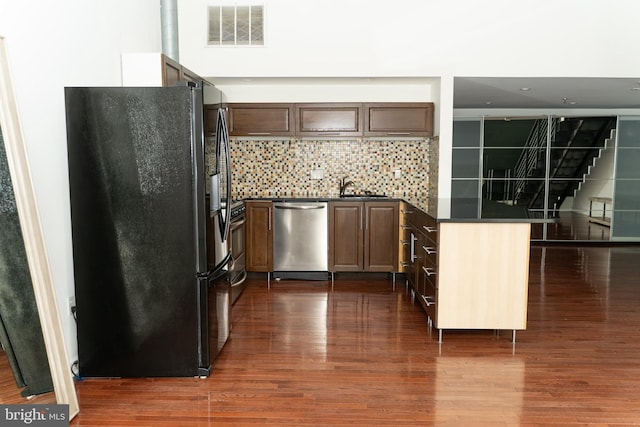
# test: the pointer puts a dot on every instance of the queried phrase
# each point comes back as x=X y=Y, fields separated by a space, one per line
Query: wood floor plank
x=302 y=354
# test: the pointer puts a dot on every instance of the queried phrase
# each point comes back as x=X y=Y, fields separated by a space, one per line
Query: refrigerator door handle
x=214 y=185
x=223 y=134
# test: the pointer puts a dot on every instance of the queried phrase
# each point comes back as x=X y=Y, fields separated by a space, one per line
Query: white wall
x=417 y=38
x=53 y=44
x=324 y=38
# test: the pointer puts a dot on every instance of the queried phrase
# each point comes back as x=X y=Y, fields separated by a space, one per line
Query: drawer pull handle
x=429 y=249
x=430 y=229
x=413 y=248
x=428 y=300
x=429 y=271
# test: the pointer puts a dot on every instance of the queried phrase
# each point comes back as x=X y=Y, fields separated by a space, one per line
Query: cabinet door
x=345 y=236
x=170 y=71
x=381 y=236
x=259 y=237
x=398 y=119
x=261 y=120
x=339 y=119
x=188 y=75
x=173 y=72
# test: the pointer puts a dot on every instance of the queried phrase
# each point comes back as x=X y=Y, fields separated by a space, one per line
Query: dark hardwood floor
x=361 y=354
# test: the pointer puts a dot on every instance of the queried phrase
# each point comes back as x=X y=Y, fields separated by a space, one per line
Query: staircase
x=608 y=145
x=575 y=143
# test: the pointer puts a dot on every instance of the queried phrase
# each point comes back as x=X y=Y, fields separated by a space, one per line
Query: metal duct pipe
x=169 y=22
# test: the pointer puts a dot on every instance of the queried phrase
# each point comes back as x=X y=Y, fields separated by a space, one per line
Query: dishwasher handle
x=304 y=207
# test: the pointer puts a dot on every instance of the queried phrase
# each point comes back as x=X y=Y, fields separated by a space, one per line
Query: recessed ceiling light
x=635 y=88
x=524 y=89
x=488 y=103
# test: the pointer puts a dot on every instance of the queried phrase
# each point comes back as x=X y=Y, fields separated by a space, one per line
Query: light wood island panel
x=483 y=274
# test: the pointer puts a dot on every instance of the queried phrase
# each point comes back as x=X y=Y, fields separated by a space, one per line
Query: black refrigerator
x=148 y=302
x=20 y=331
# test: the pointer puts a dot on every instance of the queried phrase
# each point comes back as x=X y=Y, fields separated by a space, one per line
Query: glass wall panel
x=465 y=163
x=548 y=168
x=626 y=225
x=628 y=163
x=467 y=140
x=464 y=198
x=625 y=222
x=466 y=133
x=500 y=159
x=627 y=195
x=580 y=171
x=628 y=132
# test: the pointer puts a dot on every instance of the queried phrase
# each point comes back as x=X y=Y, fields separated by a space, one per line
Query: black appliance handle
x=224 y=137
x=219 y=270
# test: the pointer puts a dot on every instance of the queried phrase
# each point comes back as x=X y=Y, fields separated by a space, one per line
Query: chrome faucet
x=344 y=184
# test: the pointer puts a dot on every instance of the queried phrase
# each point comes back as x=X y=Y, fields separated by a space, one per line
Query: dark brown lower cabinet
x=363 y=236
x=345 y=236
x=259 y=236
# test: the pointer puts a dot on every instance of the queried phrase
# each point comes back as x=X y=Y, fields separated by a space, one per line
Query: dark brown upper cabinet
x=267 y=119
x=398 y=119
x=329 y=119
x=173 y=72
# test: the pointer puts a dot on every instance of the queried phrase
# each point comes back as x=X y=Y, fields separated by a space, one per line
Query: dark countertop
x=494 y=212
x=326 y=199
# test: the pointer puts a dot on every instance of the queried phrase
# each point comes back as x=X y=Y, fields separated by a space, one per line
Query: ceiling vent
x=236 y=25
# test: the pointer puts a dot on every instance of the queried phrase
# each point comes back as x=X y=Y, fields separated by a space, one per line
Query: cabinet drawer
x=431 y=234
x=429 y=296
x=430 y=254
x=430 y=282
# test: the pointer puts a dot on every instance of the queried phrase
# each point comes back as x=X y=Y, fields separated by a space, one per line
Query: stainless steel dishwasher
x=300 y=240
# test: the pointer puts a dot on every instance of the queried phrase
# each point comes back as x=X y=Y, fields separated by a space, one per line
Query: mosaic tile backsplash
x=282 y=168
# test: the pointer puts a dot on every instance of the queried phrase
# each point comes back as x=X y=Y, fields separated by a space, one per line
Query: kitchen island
x=467 y=273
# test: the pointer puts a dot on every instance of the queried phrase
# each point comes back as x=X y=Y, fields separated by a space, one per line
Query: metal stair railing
x=528 y=160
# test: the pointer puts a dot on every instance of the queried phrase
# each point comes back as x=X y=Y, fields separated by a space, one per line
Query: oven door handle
x=236 y=224
x=241 y=281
